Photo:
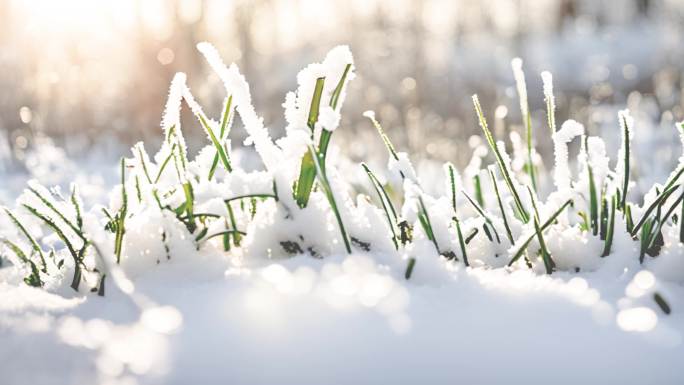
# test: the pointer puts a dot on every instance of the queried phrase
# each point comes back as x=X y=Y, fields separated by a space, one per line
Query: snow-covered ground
x=343 y=320
x=239 y=276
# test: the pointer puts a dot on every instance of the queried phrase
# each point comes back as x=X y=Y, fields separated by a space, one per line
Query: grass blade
x=385 y=139
x=225 y=119
x=461 y=241
x=611 y=228
x=382 y=195
x=542 y=228
x=323 y=179
x=424 y=219
x=655 y=204
x=409 y=268
x=34 y=244
x=34 y=278
x=593 y=195
x=307 y=169
x=500 y=161
x=482 y=213
x=509 y=234
x=626 y=154
x=77 y=256
x=215 y=141
x=546 y=256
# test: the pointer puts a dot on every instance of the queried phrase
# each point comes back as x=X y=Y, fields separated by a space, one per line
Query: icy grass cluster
x=173 y=207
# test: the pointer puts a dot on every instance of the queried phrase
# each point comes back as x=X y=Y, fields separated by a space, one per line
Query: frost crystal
x=236 y=85
x=519 y=76
x=370 y=114
x=328 y=118
x=569 y=130
x=547 y=80
x=171 y=124
x=402 y=167
x=298 y=103
x=173 y=103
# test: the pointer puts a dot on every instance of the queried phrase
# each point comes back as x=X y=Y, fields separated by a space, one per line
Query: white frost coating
x=236 y=85
x=568 y=131
x=547 y=80
x=192 y=103
x=197 y=111
x=328 y=119
x=171 y=120
x=298 y=103
x=402 y=167
x=507 y=164
x=370 y=114
x=516 y=65
x=173 y=103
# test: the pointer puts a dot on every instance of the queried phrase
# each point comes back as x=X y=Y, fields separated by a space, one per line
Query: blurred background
x=92 y=76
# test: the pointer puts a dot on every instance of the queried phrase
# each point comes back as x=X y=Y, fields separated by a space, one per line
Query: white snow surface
x=345 y=319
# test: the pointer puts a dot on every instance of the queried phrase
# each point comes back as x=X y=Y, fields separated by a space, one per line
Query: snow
x=306 y=321
x=331 y=69
x=521 y=86
x=569 y=130
x=285 y=302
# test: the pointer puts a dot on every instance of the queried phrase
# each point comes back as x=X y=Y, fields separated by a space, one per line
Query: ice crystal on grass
x=562 y=176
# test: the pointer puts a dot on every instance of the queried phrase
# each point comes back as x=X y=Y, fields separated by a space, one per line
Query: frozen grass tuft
x=301 y=202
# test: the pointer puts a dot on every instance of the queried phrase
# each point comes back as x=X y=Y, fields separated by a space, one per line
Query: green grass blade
x=77 y=207
x=34 y=244
x=611 y=228
x=509 y=234
x=604 y=219
x=461 y=242
x=500 y=161
x=315 y=104
x=424 y=219
x=478 y=190
x=593 y=195
x=245 y=196
x=452 y=183
x=307 y=169
x=121 y=215
x=57 y=230
x=34 y=278
x=483 y=214
x=54 y=209
x=385 y=139
x=237 y=238
x=226 y=117
x=661 y=221
x=164 y=164
x=143 y=162
x=409 y=268
x=189 y=206
x=377 y=186
x=655 y=204
x=681 y=224
x=323 y=180
x=324 y=140
x=217 y=144
x=626 y=160
x=546 y=256
x=542 y=228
